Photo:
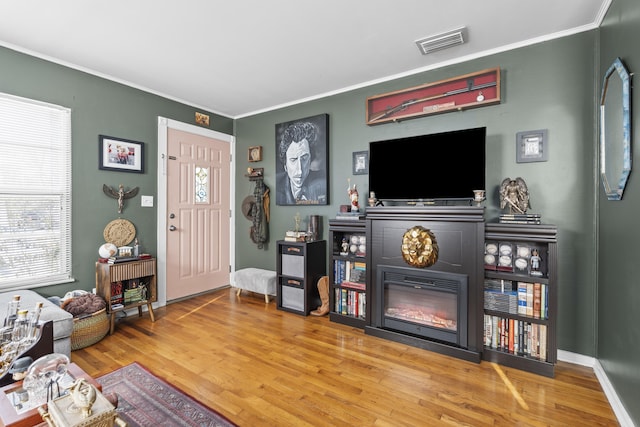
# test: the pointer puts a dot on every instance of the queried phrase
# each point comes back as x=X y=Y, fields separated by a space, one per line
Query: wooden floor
x=260 y=366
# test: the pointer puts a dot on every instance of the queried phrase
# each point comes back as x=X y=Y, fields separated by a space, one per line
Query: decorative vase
x=313 y=230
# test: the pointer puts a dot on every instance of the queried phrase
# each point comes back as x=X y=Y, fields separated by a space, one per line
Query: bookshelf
x=348 y=283
x=520 y=295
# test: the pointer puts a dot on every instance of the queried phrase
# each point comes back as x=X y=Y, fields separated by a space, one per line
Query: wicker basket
x=89 y=330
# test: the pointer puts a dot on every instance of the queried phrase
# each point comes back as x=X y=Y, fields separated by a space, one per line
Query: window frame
x=35 y=194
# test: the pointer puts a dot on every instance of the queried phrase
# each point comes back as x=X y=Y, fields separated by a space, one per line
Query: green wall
x=618 y=288
x=552 y=85
x=546 y=86
x=99 y=107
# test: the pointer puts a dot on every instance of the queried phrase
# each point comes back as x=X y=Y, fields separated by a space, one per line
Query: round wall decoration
x=119 y=232
x=419 y=247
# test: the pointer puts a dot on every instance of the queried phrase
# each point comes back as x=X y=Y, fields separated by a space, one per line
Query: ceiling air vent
x=441 y=41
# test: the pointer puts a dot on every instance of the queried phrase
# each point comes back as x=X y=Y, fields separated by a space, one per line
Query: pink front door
x=198 y=206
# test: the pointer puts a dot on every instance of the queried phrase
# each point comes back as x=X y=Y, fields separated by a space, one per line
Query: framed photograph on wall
x=255 y=153
x=360 y=162
x=302 y=158
x=531 y=146
x=121 y=155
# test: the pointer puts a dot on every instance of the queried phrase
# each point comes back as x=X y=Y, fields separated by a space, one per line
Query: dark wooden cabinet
x=299 y=267
x=520 y=296
x=348 y=272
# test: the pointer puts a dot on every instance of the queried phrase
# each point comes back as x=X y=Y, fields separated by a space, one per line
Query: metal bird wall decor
x=120 y=194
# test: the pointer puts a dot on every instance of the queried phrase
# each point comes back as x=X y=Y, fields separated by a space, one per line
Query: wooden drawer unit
x=299 y=267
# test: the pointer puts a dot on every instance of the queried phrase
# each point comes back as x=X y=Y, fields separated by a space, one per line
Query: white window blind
x=35 y=193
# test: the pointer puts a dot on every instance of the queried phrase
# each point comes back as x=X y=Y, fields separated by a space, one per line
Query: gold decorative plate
x=119 y=232
x=419 y=247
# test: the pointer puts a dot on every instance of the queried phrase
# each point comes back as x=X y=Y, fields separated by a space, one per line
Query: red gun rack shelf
x=472 y=90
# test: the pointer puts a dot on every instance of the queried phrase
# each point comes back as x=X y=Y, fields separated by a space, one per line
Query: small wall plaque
x=531 y=146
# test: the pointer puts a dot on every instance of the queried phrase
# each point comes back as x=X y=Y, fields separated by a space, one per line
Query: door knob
x=172 y=228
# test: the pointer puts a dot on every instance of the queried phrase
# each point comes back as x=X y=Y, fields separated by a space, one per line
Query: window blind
x=35 y=193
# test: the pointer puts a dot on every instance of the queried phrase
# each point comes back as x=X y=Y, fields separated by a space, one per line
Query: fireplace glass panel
x=421 y=305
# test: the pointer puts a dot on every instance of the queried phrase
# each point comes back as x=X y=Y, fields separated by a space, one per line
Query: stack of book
x=353 y=216
x=295 y=236
x=499 y=295
x=118 y=259
x=520 y=219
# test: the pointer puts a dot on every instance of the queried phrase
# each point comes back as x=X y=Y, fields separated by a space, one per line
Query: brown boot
x=323 y=290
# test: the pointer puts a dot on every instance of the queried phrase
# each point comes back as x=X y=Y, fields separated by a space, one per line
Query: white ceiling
x=238 y=58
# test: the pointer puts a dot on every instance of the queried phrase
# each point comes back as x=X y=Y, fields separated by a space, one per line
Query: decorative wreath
x=419 y=247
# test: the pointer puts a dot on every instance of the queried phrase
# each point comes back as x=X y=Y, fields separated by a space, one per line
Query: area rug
x=145 y=400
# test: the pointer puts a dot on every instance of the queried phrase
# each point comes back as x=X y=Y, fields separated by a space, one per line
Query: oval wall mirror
x=615 y=130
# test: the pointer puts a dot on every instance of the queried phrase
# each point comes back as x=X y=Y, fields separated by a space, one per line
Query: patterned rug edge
x=223 y=421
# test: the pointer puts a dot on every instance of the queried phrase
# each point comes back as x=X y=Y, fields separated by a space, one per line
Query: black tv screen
x=439 y=166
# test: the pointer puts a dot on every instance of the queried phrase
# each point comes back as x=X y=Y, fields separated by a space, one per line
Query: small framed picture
x=121 y=155
x=360 y=162
x=531 y=146
x=255 y=154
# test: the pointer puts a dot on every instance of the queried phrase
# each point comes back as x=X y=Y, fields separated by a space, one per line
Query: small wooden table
x=9 y=417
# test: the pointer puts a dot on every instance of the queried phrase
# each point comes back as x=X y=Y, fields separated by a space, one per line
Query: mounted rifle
x=404 y=105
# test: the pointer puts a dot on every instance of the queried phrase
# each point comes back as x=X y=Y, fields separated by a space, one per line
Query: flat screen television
x=435 y=167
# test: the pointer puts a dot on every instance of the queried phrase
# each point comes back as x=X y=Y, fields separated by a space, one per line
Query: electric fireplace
x=423 y=303
x=439 y=307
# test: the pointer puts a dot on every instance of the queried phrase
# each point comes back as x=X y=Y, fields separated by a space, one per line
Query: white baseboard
x=621 y=413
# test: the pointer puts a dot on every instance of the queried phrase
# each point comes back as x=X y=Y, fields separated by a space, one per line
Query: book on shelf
x=117 y=289
x=536 y=300
x=354 y=285
x=350 y=303
x=542 y=335
x=534 y=219
x=530 y=299
x=357 y=275
x=522 y=298
x=295 y=236
x=119 y=259
x=506 y=302
x=350 y=216
x=533 y=300
x=516 y=337
x=348 y=270
x=520 y=221
x=520 y=216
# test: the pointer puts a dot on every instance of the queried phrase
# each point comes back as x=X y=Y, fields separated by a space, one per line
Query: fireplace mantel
x=459 y=232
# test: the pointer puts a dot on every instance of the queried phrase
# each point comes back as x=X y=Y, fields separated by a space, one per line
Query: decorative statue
x=514 y=194
x=344 y=246
x=297 y=218
x=372 y=199
x=121 y=195
x=353 y=195
x=83 y=395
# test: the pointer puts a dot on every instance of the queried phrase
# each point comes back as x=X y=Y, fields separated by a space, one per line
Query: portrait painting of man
x=301 y=161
